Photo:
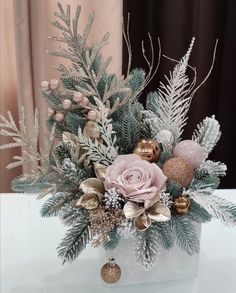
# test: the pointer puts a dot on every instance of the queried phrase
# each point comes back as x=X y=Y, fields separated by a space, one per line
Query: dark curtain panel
x=175 y=22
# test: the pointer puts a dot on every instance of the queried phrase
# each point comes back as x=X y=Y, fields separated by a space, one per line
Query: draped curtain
x=175 y=23
x=25 y=27
x=8 y=91
x=29 y=25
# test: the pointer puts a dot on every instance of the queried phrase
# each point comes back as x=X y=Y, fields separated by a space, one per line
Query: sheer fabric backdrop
x=31 y=27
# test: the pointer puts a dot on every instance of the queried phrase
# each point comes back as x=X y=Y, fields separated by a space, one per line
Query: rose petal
x=114 y=171
x=160 y=178
x=143 y=194
x=150 y=202
x=126 y=158
x=135 y=177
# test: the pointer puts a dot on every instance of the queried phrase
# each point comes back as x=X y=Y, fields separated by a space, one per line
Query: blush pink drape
x=8 y=91
x=30 y=28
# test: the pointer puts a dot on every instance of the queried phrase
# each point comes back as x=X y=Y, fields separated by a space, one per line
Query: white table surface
x=29 y=262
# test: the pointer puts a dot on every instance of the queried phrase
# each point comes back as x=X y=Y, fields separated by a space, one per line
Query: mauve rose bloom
x=137 y=179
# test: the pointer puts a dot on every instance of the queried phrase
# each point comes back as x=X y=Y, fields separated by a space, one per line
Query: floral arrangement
x=112 y=168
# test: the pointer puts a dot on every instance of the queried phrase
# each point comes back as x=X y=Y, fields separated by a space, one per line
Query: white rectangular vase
x=172 y=264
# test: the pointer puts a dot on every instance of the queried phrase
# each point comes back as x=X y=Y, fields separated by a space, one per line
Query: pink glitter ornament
x=66 y=104
x=190 y=151
x=59 y=117
x=78 y=97
x=54 y=84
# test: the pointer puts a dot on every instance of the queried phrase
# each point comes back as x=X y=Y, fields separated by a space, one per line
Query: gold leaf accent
x=142 y=222
x=92 y=185
x=159 y=212
x=131 y=210
x=88 y=201
x=100 y=171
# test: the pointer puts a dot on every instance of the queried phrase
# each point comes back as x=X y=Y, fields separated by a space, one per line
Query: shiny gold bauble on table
x=178 y=170
x=148 y=150
x=182 y=204
x=110 y=272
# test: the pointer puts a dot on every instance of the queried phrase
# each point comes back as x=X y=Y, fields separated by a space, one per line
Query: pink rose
x=137 y=179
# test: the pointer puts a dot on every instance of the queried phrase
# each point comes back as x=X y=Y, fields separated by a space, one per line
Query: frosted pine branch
x=21 y=138
x=213 y=169
x=207 y=134
x=171 y=102
x=29 y=144
x=217 y=207
x=147 y=247
x=88 y=61
x=186 y=236
x=97 y=151
x=126 y=229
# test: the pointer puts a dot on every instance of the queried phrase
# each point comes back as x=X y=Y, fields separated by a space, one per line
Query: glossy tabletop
x=29 y=262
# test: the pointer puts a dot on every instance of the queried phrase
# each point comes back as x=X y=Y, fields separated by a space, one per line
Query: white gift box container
x=172 y=264
x=42 y=236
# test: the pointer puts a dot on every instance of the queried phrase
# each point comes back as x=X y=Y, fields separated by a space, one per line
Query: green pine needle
x=185 y=234
x=166 y=235
x=75 y=240
x=53 y=205
x=113 y=240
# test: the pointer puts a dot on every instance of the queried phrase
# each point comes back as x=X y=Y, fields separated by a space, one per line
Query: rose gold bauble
x=178 y=170
x=54 y=84
x=190 y=151
x=59 y=117
x=66 y=104
x=110 y=272
x=77 y=97
x=182 y=204
x=148 y=150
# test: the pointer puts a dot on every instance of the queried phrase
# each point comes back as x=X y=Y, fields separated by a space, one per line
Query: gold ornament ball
x=178 y=170
x=148 y=150
x=182 y=204
x=110 y=272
